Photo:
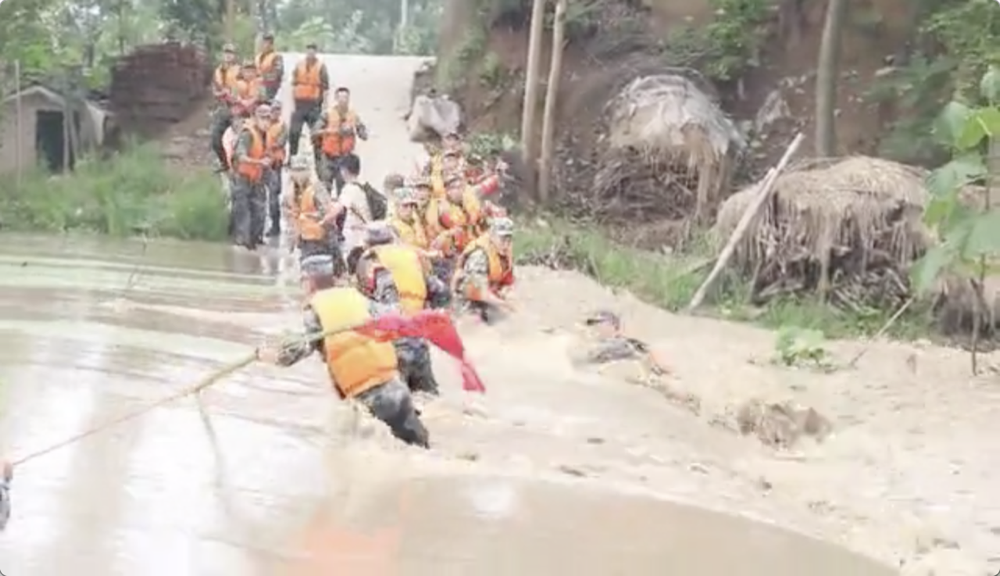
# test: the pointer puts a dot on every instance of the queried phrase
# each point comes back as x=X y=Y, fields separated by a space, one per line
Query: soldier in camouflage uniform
x=313 y=215
x=223 y=84
x=376 y=281
x=390 y=401
x=271 y=66
x=610 y=344
x=277 y=139
x=485 y=271
x=247 y=185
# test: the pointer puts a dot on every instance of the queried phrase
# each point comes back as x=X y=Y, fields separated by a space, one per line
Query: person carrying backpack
x=362 y=204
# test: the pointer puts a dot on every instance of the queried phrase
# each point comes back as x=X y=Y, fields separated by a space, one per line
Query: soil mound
x=668 y=153
x=848 y=228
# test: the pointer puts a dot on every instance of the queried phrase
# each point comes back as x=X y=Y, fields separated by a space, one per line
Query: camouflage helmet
x=406 y=196
x=603 y=317
x=420 y=181
x=502 y=227
x=229 y=47
x=299 y=162
x=249 y=64
x=378 y=232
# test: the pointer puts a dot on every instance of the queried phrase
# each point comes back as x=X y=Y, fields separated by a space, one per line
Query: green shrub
x=133 y=192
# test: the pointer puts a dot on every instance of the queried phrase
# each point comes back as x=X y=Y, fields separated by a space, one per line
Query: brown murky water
x=258 y=476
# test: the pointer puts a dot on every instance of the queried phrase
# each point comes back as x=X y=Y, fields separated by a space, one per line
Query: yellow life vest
x=356 y=363
x=403 y=262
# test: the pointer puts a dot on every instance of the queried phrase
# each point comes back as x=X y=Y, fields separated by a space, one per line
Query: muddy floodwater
x=265 y=473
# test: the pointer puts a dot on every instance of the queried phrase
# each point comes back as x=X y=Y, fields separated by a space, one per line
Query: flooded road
x=265 y=473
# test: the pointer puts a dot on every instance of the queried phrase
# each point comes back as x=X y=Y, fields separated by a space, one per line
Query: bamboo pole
x=748 y=216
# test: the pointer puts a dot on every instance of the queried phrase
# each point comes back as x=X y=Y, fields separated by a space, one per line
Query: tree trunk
x=551 y=96
x=531 y=81
x=827 y=70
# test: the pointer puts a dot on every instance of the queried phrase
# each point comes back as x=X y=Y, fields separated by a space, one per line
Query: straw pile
x=849 y=229
x=667 y=152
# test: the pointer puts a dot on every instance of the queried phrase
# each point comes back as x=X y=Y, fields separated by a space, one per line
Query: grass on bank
x=133 y=192
x=670 y=281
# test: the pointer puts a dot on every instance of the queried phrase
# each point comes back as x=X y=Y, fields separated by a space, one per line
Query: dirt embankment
x=772 y=100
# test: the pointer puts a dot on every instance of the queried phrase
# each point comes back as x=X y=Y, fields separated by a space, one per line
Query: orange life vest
x=246 y=93
x=407 y=270
x=412 y=233
x=274 y=133
x=257 y=151
x=334 y=144
x=501 y=272
x=307 y=85
x=226 y=76
x=464 y=220
x=307 y=215
x=265 y=61
x=356 y=363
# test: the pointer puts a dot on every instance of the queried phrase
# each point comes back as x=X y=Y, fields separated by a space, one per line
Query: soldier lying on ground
x=611 y=344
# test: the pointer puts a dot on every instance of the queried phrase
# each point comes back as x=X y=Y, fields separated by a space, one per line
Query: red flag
x=434 y=326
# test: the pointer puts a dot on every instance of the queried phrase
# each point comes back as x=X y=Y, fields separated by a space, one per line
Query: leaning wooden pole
x=763 y=193
x=551 y=97
x=531 y=85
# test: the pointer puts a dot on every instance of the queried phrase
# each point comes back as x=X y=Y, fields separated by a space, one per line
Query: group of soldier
x=252 y=143
x=431 y=239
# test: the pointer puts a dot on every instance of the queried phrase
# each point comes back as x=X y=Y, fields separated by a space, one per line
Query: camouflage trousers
x=392 y=403
x=273 y=180
x=247 y=211
x=415 y=365
x=222 y=119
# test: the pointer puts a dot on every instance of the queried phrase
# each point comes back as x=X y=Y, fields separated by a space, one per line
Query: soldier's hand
x=267 y=355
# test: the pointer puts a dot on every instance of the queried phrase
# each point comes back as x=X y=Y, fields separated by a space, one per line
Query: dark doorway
x=50 y=139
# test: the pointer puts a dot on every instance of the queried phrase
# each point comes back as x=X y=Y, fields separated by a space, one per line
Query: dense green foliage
x=133 y=193
x=77 y=41
x=969 y=228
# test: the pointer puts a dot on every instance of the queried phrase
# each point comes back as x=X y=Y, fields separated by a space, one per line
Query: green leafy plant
x=968 y=231
x=801 y=347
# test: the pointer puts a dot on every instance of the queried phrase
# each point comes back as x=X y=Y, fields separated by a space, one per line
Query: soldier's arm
x=610 y=350
x=279 y=68
x=324 y=82
x=241 y=150
x=362 y=130
x=328 y=209
x=282 y=138
x=476 y=272
x=321 y=123
x=311 y=341
x=438 y=294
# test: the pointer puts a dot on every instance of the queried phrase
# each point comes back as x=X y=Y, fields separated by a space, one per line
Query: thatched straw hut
x=668 y=151
x=848 y=228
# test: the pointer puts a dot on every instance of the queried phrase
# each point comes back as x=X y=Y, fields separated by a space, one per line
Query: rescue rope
x=201 y=385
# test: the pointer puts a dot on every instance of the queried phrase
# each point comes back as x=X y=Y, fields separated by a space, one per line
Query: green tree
x=969 y=232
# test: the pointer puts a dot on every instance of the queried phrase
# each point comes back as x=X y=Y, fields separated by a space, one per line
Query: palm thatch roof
x=668 y=150
x=849 y=228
